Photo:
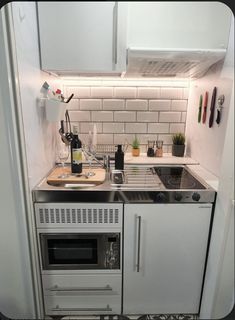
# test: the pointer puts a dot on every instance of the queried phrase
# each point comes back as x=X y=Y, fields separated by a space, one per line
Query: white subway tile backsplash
x=85 y=127
x=171 y=93
x=148 y=93
x=143 y=138
x=101 y=92
x=137 y=105
x=122 y=138
x=169 y=117
x=79 y=92
x=105 y=138
x=125 y=92
x=69 y=90
x=83 y=92
x=79 y=116
x=167 y=138
x=113 y=127
x=151 y=109
x=179 y=105
x=177 y=127
x=161 y=105
x=135 y=127
x=90 y=104
x=158 y=127
x=124 y=116
x=73 y=104
x=147 y=116
x=113 y=104
x=101 y=116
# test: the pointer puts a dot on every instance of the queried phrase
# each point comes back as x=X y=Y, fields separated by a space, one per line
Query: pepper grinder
x=150 y=151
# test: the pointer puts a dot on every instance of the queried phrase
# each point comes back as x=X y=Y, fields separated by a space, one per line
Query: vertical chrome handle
x=138 y=244
x=115 y=31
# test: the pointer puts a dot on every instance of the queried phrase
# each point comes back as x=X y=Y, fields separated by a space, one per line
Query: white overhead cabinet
x=164 y=257
x=192 y=25
x=77 y=37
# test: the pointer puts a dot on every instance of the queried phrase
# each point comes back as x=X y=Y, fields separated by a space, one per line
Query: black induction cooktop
x=177 y=178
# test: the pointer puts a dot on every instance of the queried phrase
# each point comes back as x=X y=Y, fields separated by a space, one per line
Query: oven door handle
x=57 y=308
x=57 y=288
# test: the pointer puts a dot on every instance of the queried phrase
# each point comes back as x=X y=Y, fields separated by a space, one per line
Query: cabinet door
x=79 y=36
x=192 y=25
x=164 y=257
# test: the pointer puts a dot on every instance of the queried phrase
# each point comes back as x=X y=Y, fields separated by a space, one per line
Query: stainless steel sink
x=135 y=178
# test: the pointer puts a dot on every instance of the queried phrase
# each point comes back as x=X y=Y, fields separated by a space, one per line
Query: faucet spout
x=106 y=159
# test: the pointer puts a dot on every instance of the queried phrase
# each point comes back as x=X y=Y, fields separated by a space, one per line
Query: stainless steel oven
x=69 y=251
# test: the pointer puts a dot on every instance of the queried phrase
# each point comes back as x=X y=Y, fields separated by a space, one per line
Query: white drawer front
x=72 y=305
x=82 y=294
x=82 y=285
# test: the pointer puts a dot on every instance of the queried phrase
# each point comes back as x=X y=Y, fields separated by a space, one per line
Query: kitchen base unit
x=165 y=247
x=80 y=250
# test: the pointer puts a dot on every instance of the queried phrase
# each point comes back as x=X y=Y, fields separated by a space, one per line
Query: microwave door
x=71 y=251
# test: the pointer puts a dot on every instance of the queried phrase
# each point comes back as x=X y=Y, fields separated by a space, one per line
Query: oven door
x=72 y=251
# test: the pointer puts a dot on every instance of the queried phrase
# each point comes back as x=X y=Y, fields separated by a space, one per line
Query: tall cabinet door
x=164 y=257
x=81 y=36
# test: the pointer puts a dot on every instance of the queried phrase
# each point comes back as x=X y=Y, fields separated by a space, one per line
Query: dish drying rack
x=109 y=149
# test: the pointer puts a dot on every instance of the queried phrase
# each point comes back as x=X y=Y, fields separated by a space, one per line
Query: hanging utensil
x=205 y=107
x=212 y=108
x=200 y=109
x=219 y=108
x=69 y=98
x=68 y=133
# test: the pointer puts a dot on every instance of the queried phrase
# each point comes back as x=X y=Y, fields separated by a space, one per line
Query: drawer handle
x=56 y=288
x=57 y=308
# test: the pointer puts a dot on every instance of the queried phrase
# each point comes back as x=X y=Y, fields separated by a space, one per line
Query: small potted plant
x=135 y=147
x=178 y=146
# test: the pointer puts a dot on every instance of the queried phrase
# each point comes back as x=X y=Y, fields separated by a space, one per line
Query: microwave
x=71 y=251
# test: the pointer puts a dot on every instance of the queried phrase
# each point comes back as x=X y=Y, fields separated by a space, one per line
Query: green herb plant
x=178 y=138
x=135 y=143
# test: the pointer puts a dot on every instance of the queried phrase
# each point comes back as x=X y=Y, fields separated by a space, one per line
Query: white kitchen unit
x=77 y=37
x=80 y=248
x=164 y=257
x=192 y=25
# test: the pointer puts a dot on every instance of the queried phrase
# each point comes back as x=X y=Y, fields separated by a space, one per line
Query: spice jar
x=150 y=151
x=159 y=148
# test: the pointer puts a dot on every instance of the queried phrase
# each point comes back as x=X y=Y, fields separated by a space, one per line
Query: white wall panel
x=39 y=133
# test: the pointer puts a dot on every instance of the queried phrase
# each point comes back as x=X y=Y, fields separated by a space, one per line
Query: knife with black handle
x=200 y=109
x=212 y=108
x=205 y=107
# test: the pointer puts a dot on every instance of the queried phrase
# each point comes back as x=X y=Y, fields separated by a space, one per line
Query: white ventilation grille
x=167 y=68
x=171 y=62
x=46 y=215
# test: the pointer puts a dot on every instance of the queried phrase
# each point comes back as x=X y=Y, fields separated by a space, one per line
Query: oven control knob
x=161 y=197
x=196 y=196
x=178 y=196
